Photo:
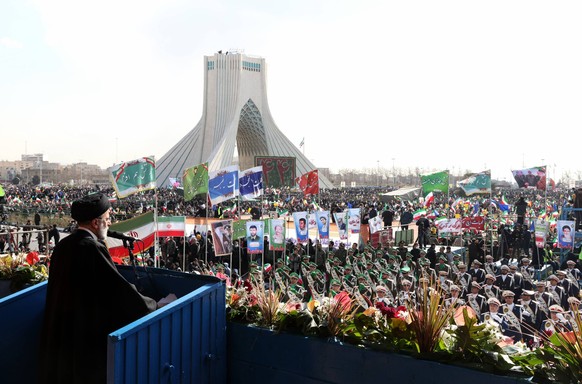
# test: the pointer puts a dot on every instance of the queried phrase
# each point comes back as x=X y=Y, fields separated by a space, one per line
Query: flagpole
x=206 y=234
x=184 y=247
x=232 y=238
x=490 y=223
x=156 y=240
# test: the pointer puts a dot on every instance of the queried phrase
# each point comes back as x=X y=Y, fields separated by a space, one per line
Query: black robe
x=87 y=298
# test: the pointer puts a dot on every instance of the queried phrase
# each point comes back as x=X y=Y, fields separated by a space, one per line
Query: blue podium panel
x=21 y=316
x=187 y=344
x=184 y=342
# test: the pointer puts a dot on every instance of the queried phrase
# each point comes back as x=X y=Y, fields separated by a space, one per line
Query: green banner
x=477 y=183
x=195 y=181
x=435 y=182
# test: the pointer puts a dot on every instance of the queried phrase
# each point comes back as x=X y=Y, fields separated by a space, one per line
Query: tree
x=35 y=180
x=16 y=180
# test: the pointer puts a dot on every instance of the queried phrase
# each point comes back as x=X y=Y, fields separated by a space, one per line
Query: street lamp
x=393 y=173
x=378 y=173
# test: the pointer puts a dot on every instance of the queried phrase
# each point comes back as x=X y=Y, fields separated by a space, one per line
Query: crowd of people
x=501 y=274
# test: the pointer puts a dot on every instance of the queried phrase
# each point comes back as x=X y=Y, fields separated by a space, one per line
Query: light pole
x=378 y=173
x=393 y=173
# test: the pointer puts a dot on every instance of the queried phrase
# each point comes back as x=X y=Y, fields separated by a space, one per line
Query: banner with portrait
x=566 y=234
x=322 y=219
x=354 y=220
x=222 y=237
x=341 y=220
x=255 y=230
x=541 y=232
x=301 y=227
x=530 y=177
x=376 y=224
x=277 y=234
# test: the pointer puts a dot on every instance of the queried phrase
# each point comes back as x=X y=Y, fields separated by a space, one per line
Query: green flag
x=435 y=182
x=195 y=181
x=477 y=183
x=133 y=176
x=239 y=229
x=2 y=193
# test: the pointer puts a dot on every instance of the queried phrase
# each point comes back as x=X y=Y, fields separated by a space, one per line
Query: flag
x=133 y=176
x=416 y=214
x=251 y=183
x=531 y=177
x=477 y=183
x=141 y=227
x=171 y=226
x=230 y=212
x=223 y=184
x=2 y=193
x=429 y=199
x=435 y=182
x=175 y=182
x=309 y=183
x=302 y=142
x=282 y=212
x=195 y=181
x=476 y=208
x=239 y=229
x=502 y=204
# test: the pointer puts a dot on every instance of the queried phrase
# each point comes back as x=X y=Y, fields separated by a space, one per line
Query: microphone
x=121 y=236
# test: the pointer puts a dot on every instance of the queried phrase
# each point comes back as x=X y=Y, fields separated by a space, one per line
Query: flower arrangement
x=22 y=270
x=451 y=335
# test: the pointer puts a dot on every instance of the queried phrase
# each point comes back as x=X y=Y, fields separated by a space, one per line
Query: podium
x=183 y=342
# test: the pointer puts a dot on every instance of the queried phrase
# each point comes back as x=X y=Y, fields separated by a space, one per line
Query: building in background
x=236 y=124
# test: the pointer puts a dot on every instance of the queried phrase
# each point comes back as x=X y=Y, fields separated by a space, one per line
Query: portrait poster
x=354 y=220
x=255 y=230
x=277 y=234
x=566 y=234
x=341 y=220
x=301 y=226
x=322 y=220
x=222 y=237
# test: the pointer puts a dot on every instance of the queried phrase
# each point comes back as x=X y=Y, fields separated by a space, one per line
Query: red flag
x=309 y=183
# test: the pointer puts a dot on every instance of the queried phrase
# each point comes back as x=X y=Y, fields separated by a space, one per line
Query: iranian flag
x=428 y=200
x=171 y=226
x=416 y=215
x=141 y=227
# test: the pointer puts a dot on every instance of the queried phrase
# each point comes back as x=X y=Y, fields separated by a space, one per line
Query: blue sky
x=459 y=85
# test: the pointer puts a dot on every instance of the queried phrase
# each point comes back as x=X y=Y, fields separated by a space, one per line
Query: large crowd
x=501 y=274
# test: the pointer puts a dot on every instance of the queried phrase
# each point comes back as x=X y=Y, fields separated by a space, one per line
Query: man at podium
x=87 y=298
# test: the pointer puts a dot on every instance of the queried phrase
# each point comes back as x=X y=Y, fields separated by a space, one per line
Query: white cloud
x=10 y=43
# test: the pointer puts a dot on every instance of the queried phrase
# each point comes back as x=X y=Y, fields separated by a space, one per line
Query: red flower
x=386 y=310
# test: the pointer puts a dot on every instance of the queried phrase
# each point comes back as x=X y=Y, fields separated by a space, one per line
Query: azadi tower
x=235 y=115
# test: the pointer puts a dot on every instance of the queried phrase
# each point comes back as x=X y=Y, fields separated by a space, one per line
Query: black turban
x=89 y=207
